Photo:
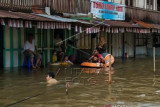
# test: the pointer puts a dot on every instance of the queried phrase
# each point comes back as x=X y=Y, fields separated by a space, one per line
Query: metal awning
x=62 y=19
x=24 y=16
x=120 y=24
x=57 y=18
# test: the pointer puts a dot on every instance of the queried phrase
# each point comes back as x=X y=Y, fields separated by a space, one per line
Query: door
x=1 y=46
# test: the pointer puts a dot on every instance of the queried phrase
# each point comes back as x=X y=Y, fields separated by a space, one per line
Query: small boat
x=62 y=63
x=65 y=63
x=108 y=58
x=56 y=63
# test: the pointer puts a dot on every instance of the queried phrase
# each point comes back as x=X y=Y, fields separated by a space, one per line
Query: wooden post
x=129 y=2
x=110 y=76
x=43 y=53
x=154 y=65
x=149 y=4
x=91 y=17
x=123 y=44
x=11 y=4
x=111 y=43
x=134 y=45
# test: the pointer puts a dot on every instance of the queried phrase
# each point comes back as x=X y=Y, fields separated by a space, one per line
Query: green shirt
x=69 y=51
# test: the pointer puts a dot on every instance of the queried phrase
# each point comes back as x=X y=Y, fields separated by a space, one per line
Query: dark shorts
x=31 y=55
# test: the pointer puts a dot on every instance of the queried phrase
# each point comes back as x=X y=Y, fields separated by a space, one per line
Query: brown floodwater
x=134 y=84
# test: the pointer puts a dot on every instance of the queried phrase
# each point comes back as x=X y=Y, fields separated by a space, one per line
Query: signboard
x=107 y=10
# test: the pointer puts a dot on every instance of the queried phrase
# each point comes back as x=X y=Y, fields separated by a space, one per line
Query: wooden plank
x=68 y=6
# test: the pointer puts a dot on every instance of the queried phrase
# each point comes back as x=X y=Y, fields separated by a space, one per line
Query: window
x=149 y=4
x=156 y=40
x=126 y=2
x=158 y=5
x=129 y=2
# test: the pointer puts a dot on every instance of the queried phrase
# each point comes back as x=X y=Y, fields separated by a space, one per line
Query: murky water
x=134 y=84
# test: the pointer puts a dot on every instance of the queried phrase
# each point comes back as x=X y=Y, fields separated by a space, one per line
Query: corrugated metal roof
x=85 y=22
x=118 y=23
x=57 y=18
x=8 y=14
x=29 y=16
x=62 y=19
x=110 y=23
x=156 y=26
x=143 y=24
x=20 y=15
x=37 y=17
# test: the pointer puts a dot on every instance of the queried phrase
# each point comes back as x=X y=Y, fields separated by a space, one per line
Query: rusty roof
x=20 y=15
x=57 y=18
x=119 y=23
x=111 y=23
x=156 y=26
x=143 y=24
x=36 y=17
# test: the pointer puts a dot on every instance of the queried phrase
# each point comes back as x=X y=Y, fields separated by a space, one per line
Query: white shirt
x=30 y=46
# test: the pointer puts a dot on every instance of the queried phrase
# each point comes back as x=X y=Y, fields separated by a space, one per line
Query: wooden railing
x=142 y=14
x=19 y=4
x=76 y=6
x=68 y=6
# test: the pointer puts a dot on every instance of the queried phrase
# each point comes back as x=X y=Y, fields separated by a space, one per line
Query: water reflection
x=134 y=82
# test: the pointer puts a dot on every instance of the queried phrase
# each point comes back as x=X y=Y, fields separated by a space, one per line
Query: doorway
x=1 y=46
x=158 y=5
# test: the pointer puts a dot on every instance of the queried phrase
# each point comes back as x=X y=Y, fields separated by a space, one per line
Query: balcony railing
x=19 y=5
x=68 y=6
x=142 y=14
x=76 y=6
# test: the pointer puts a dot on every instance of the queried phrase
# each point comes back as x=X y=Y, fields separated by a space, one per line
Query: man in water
x=50 y=78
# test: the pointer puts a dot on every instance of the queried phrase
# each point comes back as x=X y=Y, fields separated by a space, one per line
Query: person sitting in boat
x=95 y=59
x=102 y=46
x=100 y=57
x=50 y=78
x=66 y=60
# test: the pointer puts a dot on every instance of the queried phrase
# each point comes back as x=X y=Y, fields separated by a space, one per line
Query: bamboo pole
x=154 y=58
x=110 y=76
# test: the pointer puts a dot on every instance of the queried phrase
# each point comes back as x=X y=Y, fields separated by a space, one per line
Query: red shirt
x=99 y=55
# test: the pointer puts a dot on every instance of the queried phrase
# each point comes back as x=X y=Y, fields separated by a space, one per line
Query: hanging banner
x=15 y=23
x=107 y=10
x=2 y=22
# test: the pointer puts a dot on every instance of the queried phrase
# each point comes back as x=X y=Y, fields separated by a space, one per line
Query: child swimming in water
x=50 y=78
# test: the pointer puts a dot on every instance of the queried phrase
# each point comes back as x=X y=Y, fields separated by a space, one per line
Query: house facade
x=133 y=37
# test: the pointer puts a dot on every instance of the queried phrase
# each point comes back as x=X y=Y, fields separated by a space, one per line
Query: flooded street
x=133 y=84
